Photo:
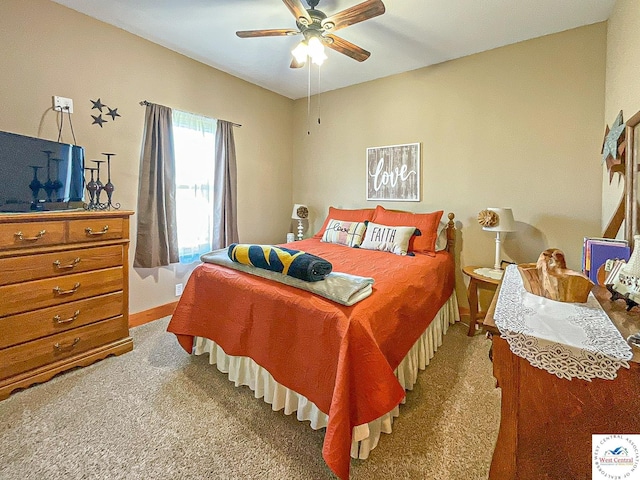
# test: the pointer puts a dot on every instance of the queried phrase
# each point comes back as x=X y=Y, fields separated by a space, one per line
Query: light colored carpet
x=158 y=413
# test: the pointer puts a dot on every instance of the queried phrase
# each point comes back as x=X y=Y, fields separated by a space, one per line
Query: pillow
x=387 y=239
x=427 y=223
x=359 y=215
x=441 y=240
x=344 y=233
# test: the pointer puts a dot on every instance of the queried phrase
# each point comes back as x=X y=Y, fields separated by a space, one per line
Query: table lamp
x=497 y=220
x=300 y=212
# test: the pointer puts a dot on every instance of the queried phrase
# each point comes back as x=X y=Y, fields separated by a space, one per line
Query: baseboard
x=146 y=316
x=464 y=311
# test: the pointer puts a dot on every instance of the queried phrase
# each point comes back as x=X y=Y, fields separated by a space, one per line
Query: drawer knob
x=59 y=321
x=20 y=236
x=59 y=291
x=58 y=265
x=89 y=230
x=60 y=347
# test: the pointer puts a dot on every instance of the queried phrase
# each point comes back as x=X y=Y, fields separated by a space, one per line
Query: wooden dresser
x=63 y=293
x=547 y=422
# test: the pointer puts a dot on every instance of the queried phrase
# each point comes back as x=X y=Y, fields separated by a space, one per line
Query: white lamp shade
x=505 y=221
x=294 y=213
x=300 y=52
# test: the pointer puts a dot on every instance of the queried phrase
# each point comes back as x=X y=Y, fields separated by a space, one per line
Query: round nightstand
x=477 y=281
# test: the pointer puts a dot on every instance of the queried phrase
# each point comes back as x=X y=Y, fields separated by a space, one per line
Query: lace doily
x=489 y=272
x=569 y=340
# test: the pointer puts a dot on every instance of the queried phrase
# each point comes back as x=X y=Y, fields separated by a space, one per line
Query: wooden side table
x=476 y=282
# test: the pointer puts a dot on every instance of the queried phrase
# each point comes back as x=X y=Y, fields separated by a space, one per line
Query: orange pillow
x=359 y=215
x=427 y=223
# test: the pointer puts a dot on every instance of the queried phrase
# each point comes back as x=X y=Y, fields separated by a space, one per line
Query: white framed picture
x=393 y=173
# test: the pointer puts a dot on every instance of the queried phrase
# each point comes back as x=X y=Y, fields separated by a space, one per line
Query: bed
x=343 y=368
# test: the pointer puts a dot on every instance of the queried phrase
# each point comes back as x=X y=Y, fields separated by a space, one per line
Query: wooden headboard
x=451 y=233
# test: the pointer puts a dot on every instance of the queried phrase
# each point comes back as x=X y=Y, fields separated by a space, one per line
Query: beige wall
x=519 y=126
x=622 y=85
x=50 y=50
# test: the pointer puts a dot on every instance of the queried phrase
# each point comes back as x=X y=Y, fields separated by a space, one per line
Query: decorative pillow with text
x=356 y=215
x=388 y=239
x=427 y=223
x=344 y=232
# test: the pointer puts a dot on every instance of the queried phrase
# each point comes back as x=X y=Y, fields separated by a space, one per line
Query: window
x=194 y=145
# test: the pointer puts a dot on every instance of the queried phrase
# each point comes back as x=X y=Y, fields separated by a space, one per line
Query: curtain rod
x=144 y=103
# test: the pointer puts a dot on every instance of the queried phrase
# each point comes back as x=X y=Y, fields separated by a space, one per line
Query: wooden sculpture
x=551 y=278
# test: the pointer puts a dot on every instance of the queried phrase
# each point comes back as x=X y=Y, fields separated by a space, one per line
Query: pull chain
x=319 y=91
x=308 y=97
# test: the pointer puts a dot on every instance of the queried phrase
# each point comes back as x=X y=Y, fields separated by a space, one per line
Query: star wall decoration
x=97 y=104
x=613 y=139
x=97 y=119
x=113 y=113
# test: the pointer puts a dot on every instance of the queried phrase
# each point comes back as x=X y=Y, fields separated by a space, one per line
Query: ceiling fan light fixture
x=317 y=29
x=301 y=51
x=315 y=46
x=311 y=48
x=316 y=49
x=319 y=58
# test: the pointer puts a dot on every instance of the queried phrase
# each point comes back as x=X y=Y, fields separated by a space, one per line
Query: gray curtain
x=225 y=223
x=157 y=238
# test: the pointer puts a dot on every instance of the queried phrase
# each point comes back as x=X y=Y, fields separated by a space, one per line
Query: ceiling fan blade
x=347 y=48
x=276 y=32
x=296 y=64
x=356 y=14
x=297 y=8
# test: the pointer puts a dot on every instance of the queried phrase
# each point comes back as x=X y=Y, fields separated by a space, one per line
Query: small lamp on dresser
x=497 y=220
x=299 y=213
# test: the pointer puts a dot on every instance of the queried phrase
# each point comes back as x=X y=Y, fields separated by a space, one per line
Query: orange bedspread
x=341 y=358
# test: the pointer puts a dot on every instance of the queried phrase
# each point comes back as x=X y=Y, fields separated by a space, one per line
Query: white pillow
x=344 y=232
x=441 y=240
x=387 y=239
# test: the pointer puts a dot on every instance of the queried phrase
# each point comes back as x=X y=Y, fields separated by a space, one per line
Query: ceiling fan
x=317 y=29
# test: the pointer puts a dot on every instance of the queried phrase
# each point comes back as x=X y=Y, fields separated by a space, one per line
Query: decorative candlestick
x=92 y=187
x=48 y=185
x=35 y=184
x=57 y=184
x=110 y=187
x=98 y=183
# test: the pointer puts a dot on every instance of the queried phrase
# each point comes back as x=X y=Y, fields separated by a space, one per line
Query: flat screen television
x=39 y=175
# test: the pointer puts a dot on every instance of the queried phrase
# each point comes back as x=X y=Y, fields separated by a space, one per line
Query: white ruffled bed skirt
x=244 y=371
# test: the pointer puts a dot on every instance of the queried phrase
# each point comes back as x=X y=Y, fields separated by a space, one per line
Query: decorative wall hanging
x=97 y=119
x=613 y=154
x=613 y=140
x=393 y=173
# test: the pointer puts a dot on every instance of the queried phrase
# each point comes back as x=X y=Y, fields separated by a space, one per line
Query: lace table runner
x=570 y=340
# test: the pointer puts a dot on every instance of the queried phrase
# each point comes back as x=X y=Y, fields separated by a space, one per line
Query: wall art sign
x=393 y=173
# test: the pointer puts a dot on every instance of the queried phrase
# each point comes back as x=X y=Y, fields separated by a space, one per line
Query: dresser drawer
x=27 y=296
x=28 y=326
x=95 y=229
x=33 y=267
x=27 y=356
x=36 y=234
